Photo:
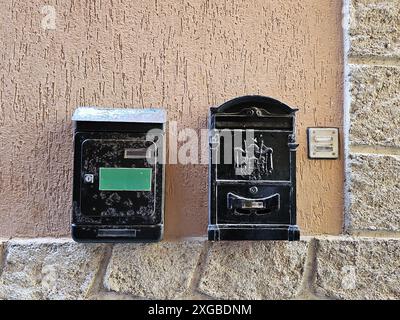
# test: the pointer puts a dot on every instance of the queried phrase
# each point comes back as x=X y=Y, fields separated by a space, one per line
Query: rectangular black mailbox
x=118 y=187
x=252 y=171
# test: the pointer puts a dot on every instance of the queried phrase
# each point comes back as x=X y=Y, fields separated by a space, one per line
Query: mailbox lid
x=94 y=114
x=253 y=112
x=91 y=119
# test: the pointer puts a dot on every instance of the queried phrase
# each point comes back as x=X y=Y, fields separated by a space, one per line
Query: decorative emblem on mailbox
x=118 y=191
x=252 y=172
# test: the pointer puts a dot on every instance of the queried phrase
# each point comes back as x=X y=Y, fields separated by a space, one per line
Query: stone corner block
x=358 y=268
x=161 y=270
x=254 y=270
x=375 y=105
x=374 y=192
x=375 y=28
x=49 y=269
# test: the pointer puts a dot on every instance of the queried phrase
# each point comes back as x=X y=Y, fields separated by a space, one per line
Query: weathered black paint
x=115 y=216
x=260 y=205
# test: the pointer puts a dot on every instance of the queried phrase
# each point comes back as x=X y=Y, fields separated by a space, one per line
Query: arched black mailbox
x=252 y=172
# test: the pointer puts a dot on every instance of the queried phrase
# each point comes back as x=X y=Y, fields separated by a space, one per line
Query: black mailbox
x=118 y=189
x=252 y=171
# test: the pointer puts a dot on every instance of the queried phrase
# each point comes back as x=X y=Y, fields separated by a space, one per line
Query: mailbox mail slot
x=118 y=175
x=252 y=171
x=260 y=206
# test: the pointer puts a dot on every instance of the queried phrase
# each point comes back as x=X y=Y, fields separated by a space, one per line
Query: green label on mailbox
x=125 y=179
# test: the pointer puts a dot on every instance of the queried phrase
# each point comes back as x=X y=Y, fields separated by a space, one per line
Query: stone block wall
x=373 y=166
x=314 y=268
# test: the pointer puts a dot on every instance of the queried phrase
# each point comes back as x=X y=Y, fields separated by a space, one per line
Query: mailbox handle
x=271 y=203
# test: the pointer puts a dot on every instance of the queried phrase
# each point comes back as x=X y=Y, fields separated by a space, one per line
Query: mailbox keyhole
x=253 y=190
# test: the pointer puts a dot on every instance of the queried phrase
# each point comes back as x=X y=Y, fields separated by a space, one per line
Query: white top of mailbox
x=119 y=115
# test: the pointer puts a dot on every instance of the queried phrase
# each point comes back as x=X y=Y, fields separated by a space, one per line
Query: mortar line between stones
x=379 y=150
x=306 y=288
x=97 y=290
x=346 y=112
x=198 y=272
x=3 y=257
x=376 y=234
x=97 y=285
x=375 y=61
